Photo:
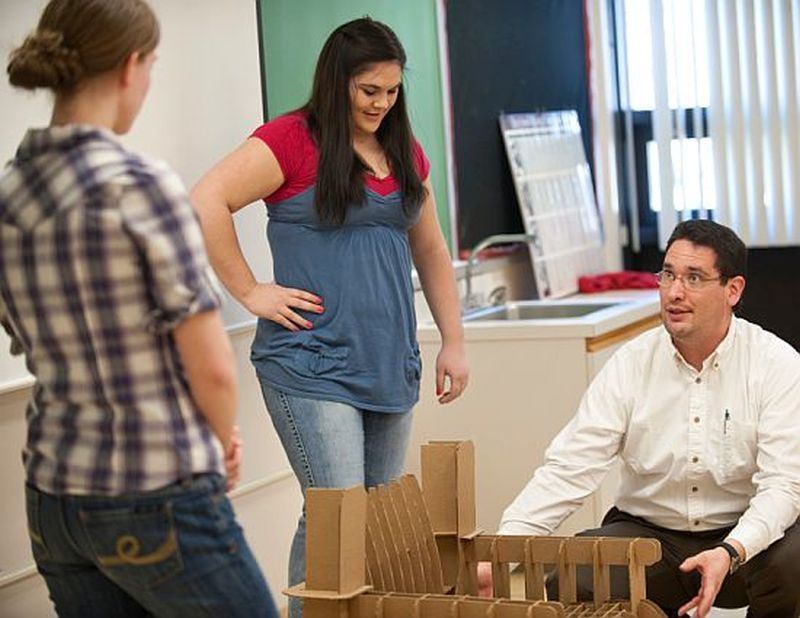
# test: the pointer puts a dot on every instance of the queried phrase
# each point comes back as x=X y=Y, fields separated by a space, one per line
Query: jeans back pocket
x=136 y=546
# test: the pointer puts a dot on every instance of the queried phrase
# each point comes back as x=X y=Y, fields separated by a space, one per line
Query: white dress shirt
x=700 y=450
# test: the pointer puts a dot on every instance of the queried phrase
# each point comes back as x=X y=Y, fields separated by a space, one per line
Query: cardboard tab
x=448 y=486
x=336 y=539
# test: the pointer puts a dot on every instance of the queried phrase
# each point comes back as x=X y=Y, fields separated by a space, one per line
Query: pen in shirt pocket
x=726 y=421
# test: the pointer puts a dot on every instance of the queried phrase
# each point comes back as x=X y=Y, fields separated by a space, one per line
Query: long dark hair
x=349 y=50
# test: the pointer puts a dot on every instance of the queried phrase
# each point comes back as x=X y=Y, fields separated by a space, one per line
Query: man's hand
x=713 y=565
x=485 y=579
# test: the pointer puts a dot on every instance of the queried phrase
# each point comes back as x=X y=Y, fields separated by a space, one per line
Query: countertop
x=634 y=306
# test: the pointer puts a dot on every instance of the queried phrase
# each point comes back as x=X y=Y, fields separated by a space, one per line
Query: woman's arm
x=210 y=369
x=209 y=365
x=246 y=175
x=435 y=270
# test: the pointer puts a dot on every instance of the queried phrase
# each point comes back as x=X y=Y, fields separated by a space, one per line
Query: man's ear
x=735 y=289
x=126 y=73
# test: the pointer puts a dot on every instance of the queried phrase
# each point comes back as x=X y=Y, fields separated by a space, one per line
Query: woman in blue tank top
x=350 y=209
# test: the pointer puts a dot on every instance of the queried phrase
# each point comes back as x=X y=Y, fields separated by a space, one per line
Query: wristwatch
x=736 y=559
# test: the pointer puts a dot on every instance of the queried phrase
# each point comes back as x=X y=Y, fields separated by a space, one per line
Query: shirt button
x=695 y=523
x=697 y=380
x=696 y=419
x=694 y=489
x=695 y=459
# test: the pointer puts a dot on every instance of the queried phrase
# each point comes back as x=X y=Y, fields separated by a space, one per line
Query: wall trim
x=16 y=384
x=256 y=485
x=17 y=576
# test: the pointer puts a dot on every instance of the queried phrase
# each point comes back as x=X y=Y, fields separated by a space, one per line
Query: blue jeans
x=332 y=444
x=176 y=551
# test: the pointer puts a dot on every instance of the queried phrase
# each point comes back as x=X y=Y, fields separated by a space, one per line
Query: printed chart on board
x=554 y=191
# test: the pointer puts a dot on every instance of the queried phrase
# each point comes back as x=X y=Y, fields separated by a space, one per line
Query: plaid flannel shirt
x=101 y=256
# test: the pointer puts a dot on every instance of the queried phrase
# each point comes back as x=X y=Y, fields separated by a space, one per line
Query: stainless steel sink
x=537 y=310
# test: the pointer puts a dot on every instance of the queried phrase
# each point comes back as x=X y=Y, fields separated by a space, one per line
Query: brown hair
x=78 y=39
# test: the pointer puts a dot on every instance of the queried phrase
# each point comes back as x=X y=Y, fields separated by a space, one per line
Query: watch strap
x=736 y=559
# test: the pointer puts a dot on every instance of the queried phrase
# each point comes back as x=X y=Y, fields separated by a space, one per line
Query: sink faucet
x=496 y=239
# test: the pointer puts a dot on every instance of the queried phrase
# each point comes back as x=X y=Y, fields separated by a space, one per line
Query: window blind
x=736 y=62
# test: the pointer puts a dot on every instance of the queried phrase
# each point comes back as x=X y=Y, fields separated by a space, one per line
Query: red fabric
x=622 y=280
x=290 y=141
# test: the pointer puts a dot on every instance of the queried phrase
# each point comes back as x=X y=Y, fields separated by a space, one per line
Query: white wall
x=205 y=98
x=21 y=110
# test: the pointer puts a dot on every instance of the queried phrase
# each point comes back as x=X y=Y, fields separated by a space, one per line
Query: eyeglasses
x=692 y=281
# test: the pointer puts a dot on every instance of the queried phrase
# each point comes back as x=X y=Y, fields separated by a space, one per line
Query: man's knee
x=773 y=576
x=781 y=570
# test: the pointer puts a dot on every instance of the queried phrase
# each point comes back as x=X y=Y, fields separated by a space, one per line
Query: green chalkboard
x=293 y=32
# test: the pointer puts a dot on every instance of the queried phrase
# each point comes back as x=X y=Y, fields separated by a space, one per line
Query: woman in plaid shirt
x=106 y=289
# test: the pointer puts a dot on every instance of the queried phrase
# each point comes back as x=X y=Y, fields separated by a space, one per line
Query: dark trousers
x=769 y=583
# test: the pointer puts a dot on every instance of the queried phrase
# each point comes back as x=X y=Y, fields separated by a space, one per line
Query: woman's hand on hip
x=277 y=303
x=452 y=373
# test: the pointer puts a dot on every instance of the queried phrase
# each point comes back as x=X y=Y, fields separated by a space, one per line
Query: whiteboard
x=205 y=99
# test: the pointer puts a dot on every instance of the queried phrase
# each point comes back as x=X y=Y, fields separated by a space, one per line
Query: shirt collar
x=62 y=137
x=717 y=357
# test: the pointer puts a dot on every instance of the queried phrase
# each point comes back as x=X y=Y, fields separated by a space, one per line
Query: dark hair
x=349 y=50
x=731 y=252
x=78 y=39
x=729 y=248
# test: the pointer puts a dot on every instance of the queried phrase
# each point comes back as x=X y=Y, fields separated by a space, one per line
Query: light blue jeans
x=332 y=444
x=172 y=552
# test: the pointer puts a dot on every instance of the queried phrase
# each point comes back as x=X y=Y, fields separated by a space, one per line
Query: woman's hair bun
x=43 y=61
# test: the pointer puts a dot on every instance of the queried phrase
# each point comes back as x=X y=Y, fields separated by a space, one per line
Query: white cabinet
x=526 y=382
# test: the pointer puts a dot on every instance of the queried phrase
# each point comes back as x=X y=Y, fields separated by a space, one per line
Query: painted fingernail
x=309 y=325
x=320 y=309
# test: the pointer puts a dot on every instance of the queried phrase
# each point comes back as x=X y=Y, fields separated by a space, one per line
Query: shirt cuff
x=750 y=538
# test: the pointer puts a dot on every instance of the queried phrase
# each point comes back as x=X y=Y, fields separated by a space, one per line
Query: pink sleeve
x=282 y=135
x=421 y=162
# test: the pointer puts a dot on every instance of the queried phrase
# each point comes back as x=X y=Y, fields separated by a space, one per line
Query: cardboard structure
x=400 y=552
